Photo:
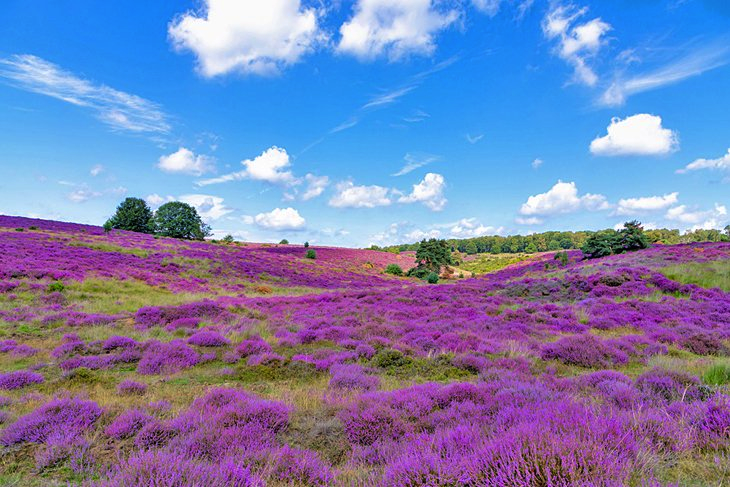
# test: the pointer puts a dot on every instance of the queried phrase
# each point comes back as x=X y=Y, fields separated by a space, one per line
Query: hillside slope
x=125 y=358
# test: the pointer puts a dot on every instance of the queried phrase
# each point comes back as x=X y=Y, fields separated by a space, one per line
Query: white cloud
x=82 y=195
x=537 y=163
x=247 y=36
x=698 y=219
x=186 y=162
x=395 y=28
x=388 y=97
x=430 y=192
x=719 y=164
x=155 y=199
x=280 y=219
x=562 y=198
x=315 y=186
x=693 y=64
x=489 y=7
x=208 y=207
x=119 y=110
x=640 y=134
x=471 y=227
x=270 y=166
x=413 y=162
x=350 y=196
x=634 y=206
x=528 y=221
x=577 y=42
x=96 y=170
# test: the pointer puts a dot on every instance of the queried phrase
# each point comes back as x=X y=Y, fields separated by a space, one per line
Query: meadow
x=127 y=359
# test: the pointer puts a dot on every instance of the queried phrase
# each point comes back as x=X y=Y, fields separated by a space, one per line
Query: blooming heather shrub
x=166 y=358
x=116 y=342
x=127 y=424
x=351 y=377
x=303 y=467
x=171 y=469
x=68 y=416
x=365 y=351
x=149 y=316
x=265 y=359
x=713 y=422
x=253 y=346
x=583 y=350
x=58 y=448
x=669 y=385
x=701 y=342
x=208 y=338
x=182 y=323
x=19 y=379
x=154 y=434
x=131 y=388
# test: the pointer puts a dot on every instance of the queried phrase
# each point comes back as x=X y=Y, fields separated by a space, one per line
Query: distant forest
x=548 y=241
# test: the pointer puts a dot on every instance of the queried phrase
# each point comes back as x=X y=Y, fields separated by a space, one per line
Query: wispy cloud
x=695 y=63
x=389 y=97
x=119 y=110
x=413 y=162
x=473 y=139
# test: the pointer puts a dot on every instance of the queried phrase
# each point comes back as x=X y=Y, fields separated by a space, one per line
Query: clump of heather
x=351 y=377
x=131 y=388
x=127 y=424
x=166 y=358
x=268 y=358
x=669 y=385
x=68 y=416
x=208 y=338
x=585 y=351
x=19 y=379
x=253 y=346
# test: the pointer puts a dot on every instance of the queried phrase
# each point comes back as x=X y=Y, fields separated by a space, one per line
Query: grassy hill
x=126 y=358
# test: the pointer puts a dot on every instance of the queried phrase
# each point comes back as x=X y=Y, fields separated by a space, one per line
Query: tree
x=471 y=248
x=306 y=245
x=632 y=237
x=608 y=242
x=600 y=244
x=727 y=230
x=284 y=242
x=431 y=256
x=228 y=239
x=132 y=214
x=180 y=220
x=311 y=254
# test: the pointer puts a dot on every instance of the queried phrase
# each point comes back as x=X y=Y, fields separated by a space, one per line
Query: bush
x=228 y=239
x=131 y=388
x=386 y=359
x=284 y=242
x=19 y=379
x=69 y=417
x=432 y=278
x=166 y=358
x=132 y=214
x=180 y=220
x=583 y=350
x=127 y=424
x=394 y=269
x=56 y=287
x=311 y=254
x=609 y=242
x=306 y=245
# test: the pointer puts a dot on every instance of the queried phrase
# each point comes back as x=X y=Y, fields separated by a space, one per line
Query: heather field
x=127 y=359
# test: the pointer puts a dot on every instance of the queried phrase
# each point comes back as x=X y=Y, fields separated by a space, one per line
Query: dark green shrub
x=562 y=257
x=228 y=239
x=284 y=242
x=432 y=278
x=306 y=245
x=20 y=229
x=311 y=254
x=56 y=287
x=394 y=269
x=388 y=358
x=33 y=227
x=419 y=272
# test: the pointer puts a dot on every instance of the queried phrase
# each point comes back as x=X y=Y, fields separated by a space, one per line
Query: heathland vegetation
x=128 y=358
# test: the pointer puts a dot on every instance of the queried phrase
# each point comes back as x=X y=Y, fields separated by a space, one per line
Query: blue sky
x=369 y=121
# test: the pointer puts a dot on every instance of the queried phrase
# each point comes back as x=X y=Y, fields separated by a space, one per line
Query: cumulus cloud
x=719 y=164
x=634 y=206
x=280 y=219
x=395 y=28
x=403 y=232
x=96 y=170
x=429 y=192
x=271 y=166
x=640 y=134
x=184 y=161
x=537 y=163
x=155 y=199
x=532 y=220
x=562 y=198
x=259 y=37
x=119 y=110
x=208 y=207
x=315 y=186
x=82 y=195
x=470 y=227
x=350 y=196
x=699 y=219
x=577 y=42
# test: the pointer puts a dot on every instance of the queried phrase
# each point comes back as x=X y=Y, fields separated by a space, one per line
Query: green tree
x=601 y=244
x=432 y=278
x=433 y=254
x=311 y=254
x=180 y=220
x=632 y=237
x=470 y=248
x=132 y=214
x=306 y=245
x=228 y=239
x=531 y=248
x=284 y=242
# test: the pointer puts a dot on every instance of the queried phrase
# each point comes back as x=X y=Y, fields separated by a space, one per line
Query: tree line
x=554 y=241
x=173 y=219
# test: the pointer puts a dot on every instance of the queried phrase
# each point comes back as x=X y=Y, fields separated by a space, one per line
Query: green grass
x=485 y=263
x=704 y=274
x=110 y=296
x=105 y=247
